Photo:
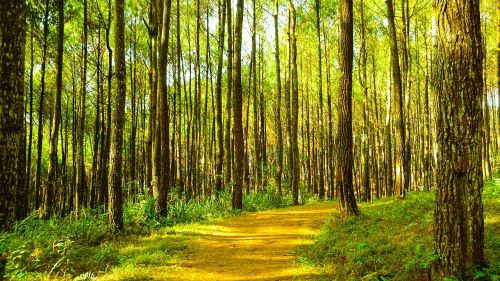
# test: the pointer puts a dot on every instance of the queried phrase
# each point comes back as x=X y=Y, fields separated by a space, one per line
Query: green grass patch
x=392 y=240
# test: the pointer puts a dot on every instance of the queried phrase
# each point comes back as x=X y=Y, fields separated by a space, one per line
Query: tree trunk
x=320 y=94
x=229 y=98
x=107 y=148
x=279 y=168
x=237 y=201
x=364 y=85
x=115 y=222
x=12 y=129
x=344 y=131
x=295 y=164
x=30 y=138
x=257 y=149
x=48 y=196
x=80 y=150
x=162 y=112
x=220 y=129
x=457 y=81
x=40 y=109
x=398 y=91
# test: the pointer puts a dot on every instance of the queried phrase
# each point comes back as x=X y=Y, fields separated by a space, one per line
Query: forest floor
x=255 y=246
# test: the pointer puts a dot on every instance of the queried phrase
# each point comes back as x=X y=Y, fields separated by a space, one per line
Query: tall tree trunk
x=330 y=155
x=427 y=131
x=80 y=150
x=96 y=168
x=457 y=81
x=279 y=168
x=320 y=94
x=486 y=120
x=257 y=149
x=229 y=98
x=48 y=196
x=115 y=222
x=105 y=155
x=295 y=163
x=153 y=35
x=237 y=201
x=12 y=128
x=163 y=114
x=398 y=93
x=364 y=85
x=344 y=131
x=30 y=137
x=133 y=131
x=263 y=129
x=40 y=108
x=377 y=149
x=220 y=129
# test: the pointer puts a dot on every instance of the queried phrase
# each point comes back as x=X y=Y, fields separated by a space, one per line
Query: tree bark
x=48 y=196
x=279 y=168
x=220 y=130
x=364 y=85
x=457 y=81
x=294 y=146
x=398 y=94
x=229 y=98
x=12 y=129
x=237 y=201
x=80 y=150
x=162 y=111
x=115 y=222
x=344 y=129
x=40 y=108
x=321 y=183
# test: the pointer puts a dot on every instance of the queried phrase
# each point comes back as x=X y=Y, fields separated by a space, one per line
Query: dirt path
x=257 y=246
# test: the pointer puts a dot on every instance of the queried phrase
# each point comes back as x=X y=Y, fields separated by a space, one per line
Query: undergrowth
x=392 y=240
x=67 y=248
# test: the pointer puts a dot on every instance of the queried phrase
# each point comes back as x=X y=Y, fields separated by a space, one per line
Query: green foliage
x=392 y=240
x=55 y=246
x=193 y=211
x=268 y=199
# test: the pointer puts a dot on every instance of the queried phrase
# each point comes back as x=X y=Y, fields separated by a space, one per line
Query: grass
x=392 y=240
x=65 y=248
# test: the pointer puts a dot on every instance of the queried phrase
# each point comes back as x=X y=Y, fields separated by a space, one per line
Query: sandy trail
x=256 y=246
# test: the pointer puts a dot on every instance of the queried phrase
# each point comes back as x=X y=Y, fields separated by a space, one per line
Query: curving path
x=257 y=246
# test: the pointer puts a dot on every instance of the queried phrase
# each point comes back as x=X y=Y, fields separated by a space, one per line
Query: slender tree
x=229 y=98
x=162 y=119
x=220 y=129
x=41 y=104
x=80 y=132
x=237 y=110
x=115 y=222
x=279 y=168
x=344 y=128
x=294 y=146
x=364 y=85
x=48 y=196
x=398 y=94
x=320 y=94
